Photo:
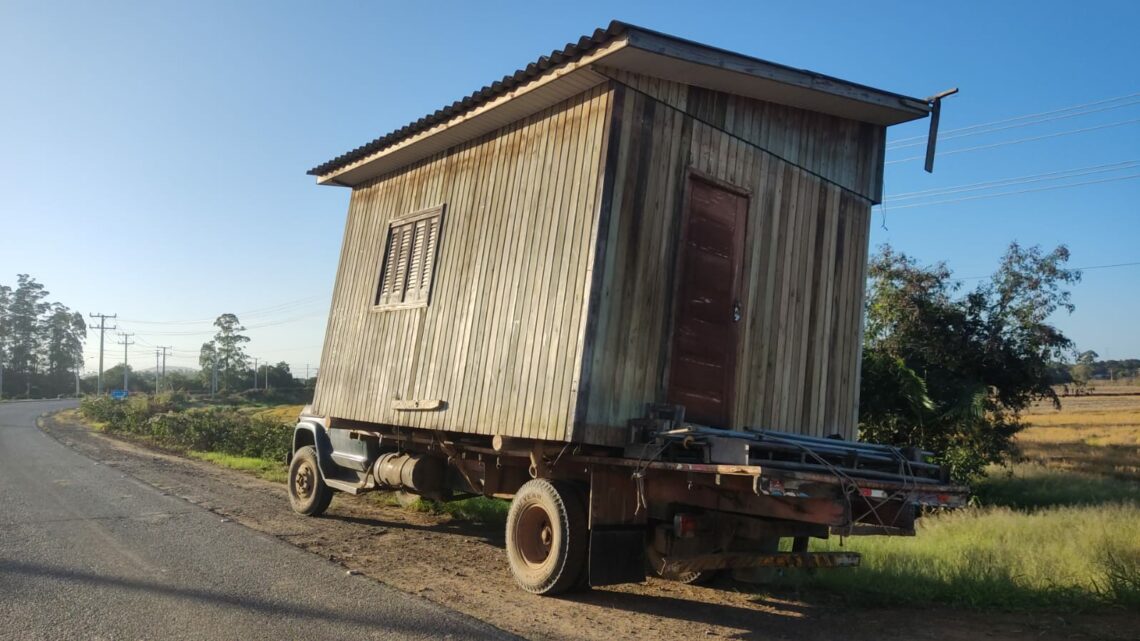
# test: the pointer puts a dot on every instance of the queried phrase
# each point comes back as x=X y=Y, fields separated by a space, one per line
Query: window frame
x=412 y=218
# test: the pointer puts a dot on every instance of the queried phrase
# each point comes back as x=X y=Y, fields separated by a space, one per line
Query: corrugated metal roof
x=569 y=53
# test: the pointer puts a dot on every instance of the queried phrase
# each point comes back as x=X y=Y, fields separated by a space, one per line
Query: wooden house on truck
x=543 y=284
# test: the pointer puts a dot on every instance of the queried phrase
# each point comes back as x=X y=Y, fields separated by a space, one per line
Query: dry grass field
x=1096 y=434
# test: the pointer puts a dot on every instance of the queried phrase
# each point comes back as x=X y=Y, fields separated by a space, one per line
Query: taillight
x=685 y=526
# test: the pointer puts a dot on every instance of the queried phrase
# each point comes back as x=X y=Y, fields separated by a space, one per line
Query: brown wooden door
x=702 y=369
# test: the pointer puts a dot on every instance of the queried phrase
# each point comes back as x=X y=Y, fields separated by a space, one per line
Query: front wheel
x=308 y=493
x=547 y=536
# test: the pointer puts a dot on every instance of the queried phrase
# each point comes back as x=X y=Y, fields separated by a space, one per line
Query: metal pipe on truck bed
x=856 y=474
x=821 y=447
x=830 y=441
x=761 y=435
x=863 y=456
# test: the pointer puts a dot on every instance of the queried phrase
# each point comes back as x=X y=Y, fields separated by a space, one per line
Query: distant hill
x=170 y=369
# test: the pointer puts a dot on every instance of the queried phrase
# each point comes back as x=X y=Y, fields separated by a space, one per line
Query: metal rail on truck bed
x=881 y=484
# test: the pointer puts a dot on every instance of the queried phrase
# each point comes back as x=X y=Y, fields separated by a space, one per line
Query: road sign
x=118 y=394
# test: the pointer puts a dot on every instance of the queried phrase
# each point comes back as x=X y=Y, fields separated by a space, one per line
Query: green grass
x=1059 y=532
x=1068 y=558
x=478 y=509
x=1032 y=485
x=264 y=468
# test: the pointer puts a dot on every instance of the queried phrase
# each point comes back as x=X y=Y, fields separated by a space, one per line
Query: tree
x=5 y=332
x=137 y=381
x=25 y=329
x=951 y=372
x=187 y=381
x=65 y=333
x=226 y=352
x=1082 y=372
x=41 y=343
x=280 y=377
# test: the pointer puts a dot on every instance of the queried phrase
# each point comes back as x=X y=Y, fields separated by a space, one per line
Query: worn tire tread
x=568 y=506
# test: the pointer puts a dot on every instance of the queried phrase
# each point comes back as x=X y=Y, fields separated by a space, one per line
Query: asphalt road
x=88 y=553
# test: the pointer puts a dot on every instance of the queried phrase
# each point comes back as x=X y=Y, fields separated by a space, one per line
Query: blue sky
x=152 y=154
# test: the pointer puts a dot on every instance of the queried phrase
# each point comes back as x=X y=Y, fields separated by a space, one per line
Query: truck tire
x=308 y=493
x=547 y=536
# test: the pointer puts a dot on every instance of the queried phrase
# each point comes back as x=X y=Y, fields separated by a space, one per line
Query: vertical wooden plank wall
x=806 y=250
x=499 y=340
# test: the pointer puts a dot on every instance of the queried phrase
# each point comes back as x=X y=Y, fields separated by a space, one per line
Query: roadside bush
x=278 y=396
x=164 y=421
x=101 y=408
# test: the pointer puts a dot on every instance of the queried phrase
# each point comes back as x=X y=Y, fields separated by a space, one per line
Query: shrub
x=211 y=429
x=101 y=408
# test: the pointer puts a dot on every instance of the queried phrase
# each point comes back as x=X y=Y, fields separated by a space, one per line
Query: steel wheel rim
x=534 y=536
x=304 y=481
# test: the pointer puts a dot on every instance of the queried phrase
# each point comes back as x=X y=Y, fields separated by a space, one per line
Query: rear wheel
x=547 y=536
x=308 y=493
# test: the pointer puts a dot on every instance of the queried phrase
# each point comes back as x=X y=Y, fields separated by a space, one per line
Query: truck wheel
x=547 y=536
x=308 y=493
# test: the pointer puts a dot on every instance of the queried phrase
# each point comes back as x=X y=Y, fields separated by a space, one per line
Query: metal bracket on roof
x=932 y=138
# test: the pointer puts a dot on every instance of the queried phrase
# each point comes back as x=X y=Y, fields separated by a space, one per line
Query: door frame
x=681 y=235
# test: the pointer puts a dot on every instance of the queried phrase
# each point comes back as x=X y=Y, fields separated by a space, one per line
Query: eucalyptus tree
x=226 y=353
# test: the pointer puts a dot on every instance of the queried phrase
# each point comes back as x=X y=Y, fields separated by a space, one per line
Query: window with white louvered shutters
x=409 y=260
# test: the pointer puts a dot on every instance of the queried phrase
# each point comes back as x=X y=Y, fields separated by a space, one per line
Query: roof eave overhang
x=680 y=60
x=557 y=85
x=650 y=53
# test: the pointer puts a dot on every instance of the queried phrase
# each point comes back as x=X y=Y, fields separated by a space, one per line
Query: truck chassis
x=681 y=500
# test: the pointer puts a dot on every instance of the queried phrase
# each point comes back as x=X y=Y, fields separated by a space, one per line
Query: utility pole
x=127 y=342
x=102 y=329
x=156 y=370
x=164 y=361
x=214 y=377
x=255 y=372
x=267 y=376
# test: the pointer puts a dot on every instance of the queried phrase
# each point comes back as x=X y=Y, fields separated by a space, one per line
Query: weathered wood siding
x=499 y=342
x=804 y=263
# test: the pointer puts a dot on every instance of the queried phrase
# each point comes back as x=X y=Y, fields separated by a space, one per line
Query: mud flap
x=617 y=555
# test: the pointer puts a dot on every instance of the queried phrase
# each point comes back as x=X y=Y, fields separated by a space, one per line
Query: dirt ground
x=462 y=566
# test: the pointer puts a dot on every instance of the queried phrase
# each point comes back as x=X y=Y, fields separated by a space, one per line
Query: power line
x=1009 y=182
x=1020 y=191
x=253 y=312
x=1020 y=140
x=1082 y=269
x=1025 y=117
x=892 y=147
x=247 y=327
